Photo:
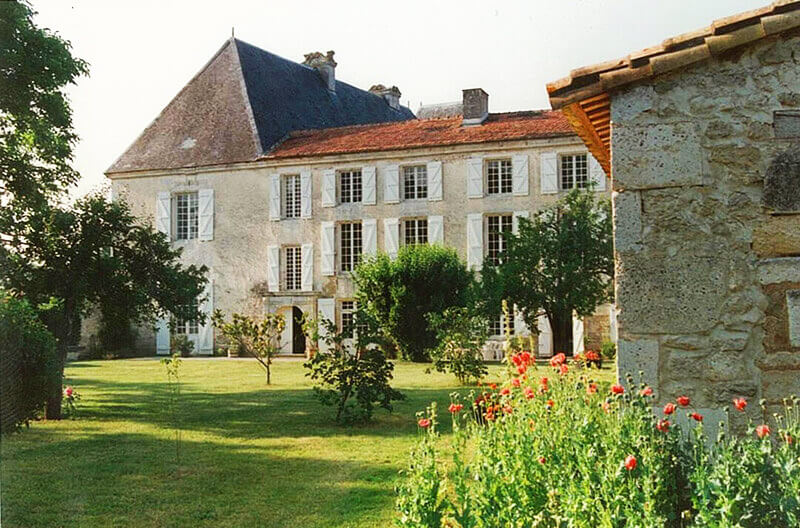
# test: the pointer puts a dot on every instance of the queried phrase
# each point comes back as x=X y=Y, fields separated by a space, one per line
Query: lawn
x=252 y=455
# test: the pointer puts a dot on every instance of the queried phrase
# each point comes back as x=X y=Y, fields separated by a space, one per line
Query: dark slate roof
x=240 y=105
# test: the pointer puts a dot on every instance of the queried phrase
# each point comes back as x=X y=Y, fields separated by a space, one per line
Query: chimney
x=390 y=95
x=325 y=66
x=476 y=106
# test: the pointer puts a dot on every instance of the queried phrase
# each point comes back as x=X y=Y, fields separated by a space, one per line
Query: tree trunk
x=561 y=324
x=61 y=328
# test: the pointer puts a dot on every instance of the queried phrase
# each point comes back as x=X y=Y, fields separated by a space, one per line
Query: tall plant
x=172 y=365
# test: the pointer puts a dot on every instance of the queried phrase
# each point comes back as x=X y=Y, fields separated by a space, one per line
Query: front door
x=298 y=337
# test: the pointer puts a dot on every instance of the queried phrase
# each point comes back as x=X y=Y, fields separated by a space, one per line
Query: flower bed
x=565 y=452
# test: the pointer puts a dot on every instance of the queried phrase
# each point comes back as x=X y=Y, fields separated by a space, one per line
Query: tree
x=400 y=293
x=97 y=253
x=560 y=262
x=461 y=334
x=256 y=338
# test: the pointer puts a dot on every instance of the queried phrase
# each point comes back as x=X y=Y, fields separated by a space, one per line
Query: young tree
x=400 y=293
x=461 y=334
x=253 y=337
x=561 y=261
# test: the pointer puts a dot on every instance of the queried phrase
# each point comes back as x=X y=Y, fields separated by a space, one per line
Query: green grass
x=252 y=455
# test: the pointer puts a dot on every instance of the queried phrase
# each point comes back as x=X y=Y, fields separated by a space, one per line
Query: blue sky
x=142 y=53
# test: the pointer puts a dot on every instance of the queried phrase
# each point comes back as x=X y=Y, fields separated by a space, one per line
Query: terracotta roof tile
x=420 y=133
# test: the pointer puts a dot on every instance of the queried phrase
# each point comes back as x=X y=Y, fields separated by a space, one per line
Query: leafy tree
x=401 y=293
x=97 y=253
x=354 y=379
x=461 y=334
x=561 y=261
x=256 y=338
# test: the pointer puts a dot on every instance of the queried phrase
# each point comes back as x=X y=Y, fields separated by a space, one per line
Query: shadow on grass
x=129 y=479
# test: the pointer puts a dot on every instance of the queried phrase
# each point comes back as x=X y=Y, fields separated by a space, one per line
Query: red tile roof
x=418 y=133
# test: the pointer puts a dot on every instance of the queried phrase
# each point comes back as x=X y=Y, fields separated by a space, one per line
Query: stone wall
x=705 y=267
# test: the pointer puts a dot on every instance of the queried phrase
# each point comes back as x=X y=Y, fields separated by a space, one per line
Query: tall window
x=291 y=196
x=415 y=231
x=183 y=323
x=186 y=216
x=499 y=176
x=496 y=225
x=291 y=276
x=574 y=172
x=497 y=326
x=415 y=182
x=348 y=309
x=350 y=244
x=350 y=186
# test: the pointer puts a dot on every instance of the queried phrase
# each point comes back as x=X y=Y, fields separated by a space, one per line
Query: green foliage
x=461 y=334
x=28 y=363
x=172 y=365
x=401 y=293
x=561 y=261
x=354 y=380
x=252 y=337
x=608 y=350
x=69 y=407
x=181 y=344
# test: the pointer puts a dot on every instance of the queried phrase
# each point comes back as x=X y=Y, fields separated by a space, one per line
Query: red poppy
x=739 y=403
x=544 y=381
x=549 y=404
x=493 y=386
x=521 y=369
x=526 y=357
x=591 y=388
x=515 y=382
x=697 y=416
x=68 y=392
x=763 y=430
x=455 y=407
x=563 y=369
x=424 y=423
x=647 y=391
x=617 y=389
x=490 y=416
x=529 y=393
x=663 y=425
x=508 y=409
x=558 y=359
x=506 y=391
x=542 y=460
x=591 y=355
x=516 y=359
x=683 y=401
x=630 y=462
x=669 y=408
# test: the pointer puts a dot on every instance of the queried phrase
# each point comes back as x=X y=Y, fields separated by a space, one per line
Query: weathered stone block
x=777 y=385
x=786 y=123
x=635 y=356
x=782 y=182
x=627 y=221
x=777 y=324
x=658 y=155
x=631 y=103
x=778 y=236
x=793 y=309
x=776 y=270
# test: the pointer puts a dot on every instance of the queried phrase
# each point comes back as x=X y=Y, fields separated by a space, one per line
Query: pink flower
x=515 y=382
x=68 y=392
x=647 y=391
x=424 y=423
x=529 y=393
x=763 y=430
x=558 y=359
x=506 y=391
x=663 y=425
x=455 y=407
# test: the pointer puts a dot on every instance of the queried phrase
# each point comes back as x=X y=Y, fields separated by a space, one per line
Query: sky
x=142 y=53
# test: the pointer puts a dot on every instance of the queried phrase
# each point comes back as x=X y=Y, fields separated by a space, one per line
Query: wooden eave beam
x=589 y=131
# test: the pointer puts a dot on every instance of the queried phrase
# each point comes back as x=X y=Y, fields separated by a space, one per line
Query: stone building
x=701 y=136
x=278 y=176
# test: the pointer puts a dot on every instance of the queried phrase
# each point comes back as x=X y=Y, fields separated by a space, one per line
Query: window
x=348 y=318
x=350 y=244
x=415 y=182
x=291 y=276
x=186 y=217
x=415 y=231
x=496 y=225
x=291 y=196
x=183 y=324
x=497 y=326
x=499 y=176
x=574 y=172
x=350 y=186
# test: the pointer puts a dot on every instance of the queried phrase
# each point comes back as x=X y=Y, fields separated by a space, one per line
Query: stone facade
x=707 y=231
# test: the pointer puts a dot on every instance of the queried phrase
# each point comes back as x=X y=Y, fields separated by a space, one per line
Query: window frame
x=420 y=172
x=292 y=279
x=560 y=173
x=416 y=236
x=296 y=196
x=185 y=326
x=506 y=225
x=355 y=186
x=503 y=187
x=192 y=217
x=499 y=322
x=350 y=252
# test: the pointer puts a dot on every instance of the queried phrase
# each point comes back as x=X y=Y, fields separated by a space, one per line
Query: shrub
x=608 y=350
x=28 y=360
x=181 y=345
x=569 y=453
x=461 y=335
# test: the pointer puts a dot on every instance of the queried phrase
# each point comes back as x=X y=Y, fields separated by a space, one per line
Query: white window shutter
x=520 y=328
x=577 y=335
x=475 y=178
x=370 y=236
x=520 y=174
x=307 y=266
x=391 y=184
x=545 y=336
x=205 y=343
x=368 y=185
x=515 y=220
x=162 y=336
x=436 y=229
x=548 y=175
x=325 y=311
x=305 y=194
x=434 y=173
x=275 y=197
x=163 y=210
x=273 y=268
x=327 y=242
x=475 y=241
x=205 y=217
x=328 y=188
x=596 y=174
x=391 y=236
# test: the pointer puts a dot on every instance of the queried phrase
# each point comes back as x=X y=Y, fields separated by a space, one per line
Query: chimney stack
x=325 y=66
x=476 y=106
x=390 y=95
